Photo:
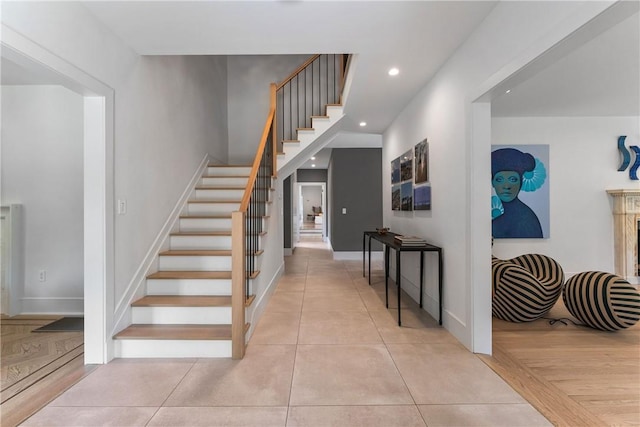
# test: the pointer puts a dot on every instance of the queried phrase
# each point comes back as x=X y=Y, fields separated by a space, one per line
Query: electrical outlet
x=122 y=206
x=344 y=211
x=42 y=275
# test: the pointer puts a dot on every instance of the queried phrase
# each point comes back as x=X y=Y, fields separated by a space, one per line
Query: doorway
x=97 y=166
x=312 y=220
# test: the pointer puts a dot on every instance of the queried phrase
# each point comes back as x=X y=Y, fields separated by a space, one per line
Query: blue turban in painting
x=510 y=159
x=518 y=219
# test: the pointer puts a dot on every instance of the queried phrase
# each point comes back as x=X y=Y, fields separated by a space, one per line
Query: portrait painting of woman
x=514 y=170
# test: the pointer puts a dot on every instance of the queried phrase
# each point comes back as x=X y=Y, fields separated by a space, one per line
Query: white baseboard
x=136 y=286
x=53 y=305
x=288 y=251
x=357 y=255
x=261 y=302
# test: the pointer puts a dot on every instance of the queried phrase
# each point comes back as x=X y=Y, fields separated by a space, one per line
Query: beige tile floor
x=325 y=353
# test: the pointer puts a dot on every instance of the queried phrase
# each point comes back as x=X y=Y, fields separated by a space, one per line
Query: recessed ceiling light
x=313 y=165
x=508 y=91
x=362 y=124
x=313 y=158
x=394 y=72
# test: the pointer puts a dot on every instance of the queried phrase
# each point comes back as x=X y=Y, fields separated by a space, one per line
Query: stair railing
x=247 y=228
x=318 y=82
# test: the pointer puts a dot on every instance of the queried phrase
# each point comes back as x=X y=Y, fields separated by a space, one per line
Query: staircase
x=187 y=308
x=195 y=304
x=309 y=140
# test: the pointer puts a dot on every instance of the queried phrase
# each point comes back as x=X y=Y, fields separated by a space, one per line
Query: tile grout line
x=295 y=353
x=172 y=391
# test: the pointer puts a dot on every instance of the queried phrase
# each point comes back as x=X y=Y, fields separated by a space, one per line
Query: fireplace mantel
x=626 y=214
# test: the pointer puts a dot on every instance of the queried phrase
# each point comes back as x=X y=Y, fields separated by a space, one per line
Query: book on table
x=410 y=240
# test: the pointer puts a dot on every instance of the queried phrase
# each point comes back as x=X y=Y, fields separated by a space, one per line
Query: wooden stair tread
x=320 y=117
x=176 y=332
x=214 y=187
x=215 y=275
x=291 y=141
x=210 y=216
x=225 y=176
x=305 y=129
x=183 y=301
x=229 y=166
x=196 y=252
x=214 y=201
x=202 y=233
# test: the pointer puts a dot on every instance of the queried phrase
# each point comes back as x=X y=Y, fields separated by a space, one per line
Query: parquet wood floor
x=35 y=367
x=574 y=375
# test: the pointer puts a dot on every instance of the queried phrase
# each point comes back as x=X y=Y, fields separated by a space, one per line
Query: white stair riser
x=320 y=125
x=212 y=208
x=201 y=242
x=181 y=315
x=205 y=224
x=229 y=171
x=291 y=149
x=224 y=182
x=216 y=194
x=195 y=263
x=211 y=287
x=135 y=348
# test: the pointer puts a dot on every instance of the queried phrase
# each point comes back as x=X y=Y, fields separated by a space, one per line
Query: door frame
x=323 y=186
x=98 y=186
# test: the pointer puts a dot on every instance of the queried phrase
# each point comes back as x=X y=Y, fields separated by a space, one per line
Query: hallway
x=326 y=352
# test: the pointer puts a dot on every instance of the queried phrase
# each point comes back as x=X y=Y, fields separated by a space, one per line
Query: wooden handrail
x=297 y=71
x=256 y=161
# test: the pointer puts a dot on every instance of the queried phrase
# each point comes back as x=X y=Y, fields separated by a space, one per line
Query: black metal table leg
x=369 y=260
x=364 y=238
x=386 y=275
x=440 y=285
x=398 y=284
x=421 y=275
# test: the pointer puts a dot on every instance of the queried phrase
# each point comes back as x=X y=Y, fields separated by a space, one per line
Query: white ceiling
x=415 y=36
x=599 y=78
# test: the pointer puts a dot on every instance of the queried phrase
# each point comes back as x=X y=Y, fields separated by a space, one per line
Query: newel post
x=238 y=276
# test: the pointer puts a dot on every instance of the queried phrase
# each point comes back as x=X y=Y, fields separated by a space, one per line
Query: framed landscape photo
x=422 y=198
x=422 y=162
x=395 y=171
x=406 y=166
x=395 y=197
x=406 y=194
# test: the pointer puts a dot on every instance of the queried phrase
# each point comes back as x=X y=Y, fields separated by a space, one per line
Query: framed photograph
x=422 y=198
x=520 y=196
x=406 y=193
x=395 y=197
x=406 y=166
x=422 y=162
x=395 y=171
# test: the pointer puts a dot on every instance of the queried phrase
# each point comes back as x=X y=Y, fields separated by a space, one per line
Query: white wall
x=583 y=163
x=169 y=112
x=249 y=77
x=442 y=112
x=42 y=169
x=311 y=196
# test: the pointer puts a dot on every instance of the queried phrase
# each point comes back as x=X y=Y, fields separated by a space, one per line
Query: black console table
x=389 y=242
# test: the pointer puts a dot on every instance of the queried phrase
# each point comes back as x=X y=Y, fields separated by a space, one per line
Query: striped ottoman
x=602 y=300
x=526 y=287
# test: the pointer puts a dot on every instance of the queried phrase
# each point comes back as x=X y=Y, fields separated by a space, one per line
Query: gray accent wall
x=286 y=207
x=312 y=175
x=355 y=181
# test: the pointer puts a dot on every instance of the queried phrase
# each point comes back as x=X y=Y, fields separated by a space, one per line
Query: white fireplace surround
x=626 y=214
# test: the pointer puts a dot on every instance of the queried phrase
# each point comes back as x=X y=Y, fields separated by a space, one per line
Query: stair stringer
x=137 y=286
x=310 y=142
x=272 y=262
